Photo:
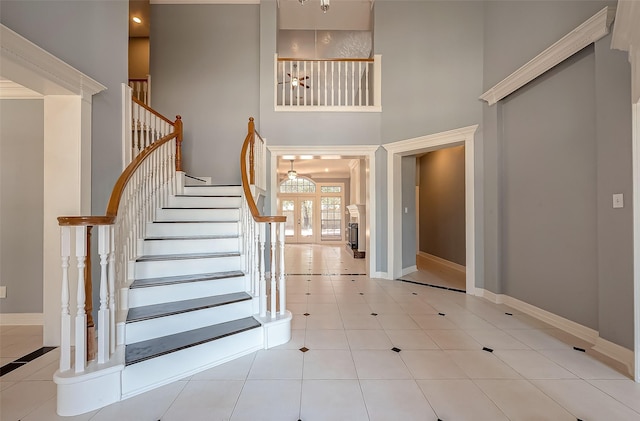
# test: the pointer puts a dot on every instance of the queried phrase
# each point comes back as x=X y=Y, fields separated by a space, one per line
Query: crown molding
x=589 y=32
x=204 y=2
x=28 y=65
x=12 y=90
x=626 y=37
x=430 y=142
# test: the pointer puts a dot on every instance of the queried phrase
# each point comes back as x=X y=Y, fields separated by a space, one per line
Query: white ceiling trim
x=28 y=65
x=204 y=2
x=589 y=32
x=626 y=37
x=12 y=90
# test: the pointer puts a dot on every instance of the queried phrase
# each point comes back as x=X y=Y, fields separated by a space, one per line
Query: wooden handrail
x=152 y=111
x=255 y=213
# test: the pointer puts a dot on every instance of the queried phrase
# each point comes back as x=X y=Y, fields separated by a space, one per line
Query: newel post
x=178 y=129
x=252 y=170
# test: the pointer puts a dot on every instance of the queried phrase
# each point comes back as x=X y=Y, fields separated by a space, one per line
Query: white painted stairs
x=188 y=306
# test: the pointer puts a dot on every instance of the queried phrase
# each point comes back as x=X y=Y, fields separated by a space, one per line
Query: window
x=331 y=218
x=330 y=189
x=298 y=185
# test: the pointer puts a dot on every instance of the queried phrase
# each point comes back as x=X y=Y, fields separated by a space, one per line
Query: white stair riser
x=204 y=202
x=205 y=245
x=173 y=214
x=213 y=190
x=161 y=268
x=184 y=291
x=179 y=229
x=147 y=375
x=176 y=323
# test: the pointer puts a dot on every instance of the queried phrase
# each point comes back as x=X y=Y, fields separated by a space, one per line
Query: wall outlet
x=618 y=200
x=3 y=292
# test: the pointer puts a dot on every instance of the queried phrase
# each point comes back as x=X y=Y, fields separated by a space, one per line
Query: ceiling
x=315 y=166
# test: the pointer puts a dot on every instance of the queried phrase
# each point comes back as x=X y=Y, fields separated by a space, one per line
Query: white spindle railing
x=141 y=89
x=144 y=128
x=262 y=236
x=144 y=187
x=328 y=85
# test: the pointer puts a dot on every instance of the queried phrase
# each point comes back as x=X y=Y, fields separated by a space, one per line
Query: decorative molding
x=329 y=108
x=204 y=1
x=589 y=32
x=603 y=346
x=626 y=37
x=443 y=262
x=32 y=319
x=23 y=61
x=324 y=150
x=431 y=142
x=12 y=90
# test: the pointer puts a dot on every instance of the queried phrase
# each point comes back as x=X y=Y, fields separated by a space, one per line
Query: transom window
x=298 y=185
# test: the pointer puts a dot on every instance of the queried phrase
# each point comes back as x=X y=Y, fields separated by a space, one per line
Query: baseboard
x=35 y=319
x=409 y=270
x=603 y=346
x=441 y=261
x=380 y=275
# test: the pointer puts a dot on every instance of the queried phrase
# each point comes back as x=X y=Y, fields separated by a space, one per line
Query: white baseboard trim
x=409 y=270
x=603 y=346
x=380 y=275
x=34 y=319
x=440 y=260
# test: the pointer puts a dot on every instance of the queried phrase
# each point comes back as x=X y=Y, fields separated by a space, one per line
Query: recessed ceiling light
x=326 y=170
x=137 y=19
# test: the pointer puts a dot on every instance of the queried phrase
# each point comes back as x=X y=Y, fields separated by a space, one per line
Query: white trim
x=32 y=319
x=328 y=108
x=410 y=269
x=204 y=1
x=395 y=151
x=27 y=64
x=603 y=346
x=367 y=151
x=589 y=32
x=441 y=261
x=380 y=275
x=626 y=37
x=635 y=162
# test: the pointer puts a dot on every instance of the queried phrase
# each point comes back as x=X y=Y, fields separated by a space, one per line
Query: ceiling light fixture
x=137 y=19
x=292 y=174
x=324 y=5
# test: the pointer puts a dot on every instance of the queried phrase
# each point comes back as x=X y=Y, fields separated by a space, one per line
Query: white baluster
x=65 y=326
x=81 y=317
x=261 y=267
x=103 y=312
x=281 y=280
x=273 y=265
x=112 y=288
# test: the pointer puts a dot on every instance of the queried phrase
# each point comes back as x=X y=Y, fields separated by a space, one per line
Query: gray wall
x=408 y=218
x=431 y=66
x=442 y=204
x=91 y=36
x=554 y=153
x=21 y=204
x=204 y=66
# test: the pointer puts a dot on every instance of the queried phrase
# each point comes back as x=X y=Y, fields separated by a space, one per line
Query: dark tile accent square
x=374 y=314
x=308 y=293
x=579 y=349
x=484 y=348
x=441 y=314
x=509 y=314
x=306 y=314
x=304 y=349
x=396 y=349
x=362 y=293
x=353 y=280
x=414 y=293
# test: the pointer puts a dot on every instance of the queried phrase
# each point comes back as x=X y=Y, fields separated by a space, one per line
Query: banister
x=255 y=213
x=152 y=111
x=365 y=60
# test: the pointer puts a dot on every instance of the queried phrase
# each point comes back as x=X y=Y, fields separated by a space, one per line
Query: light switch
x=618 y=201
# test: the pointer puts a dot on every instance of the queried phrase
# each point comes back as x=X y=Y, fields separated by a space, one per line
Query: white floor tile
x=482 y=365
x=397 y=322
x=368 y=339
x=205 y=399
x=47 y=412
x=324 y=400
x=277 y=364
x=326 y=339
x=533 y=365
x=374 y=364
x=395 y=400
x=431 y=364
x=411 y=339
x=470 y=403
x=237 y=369
x=25 y=397
x=453 y=339
x=268 y=400
x=360 y=321
x=625 y=391
x=495 y=339
x=328 y=364
x=538 y=338
x=433 y=322
x=582 y=364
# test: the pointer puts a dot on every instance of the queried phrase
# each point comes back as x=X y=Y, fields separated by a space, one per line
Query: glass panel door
x=299 y=213
x=305 y=220
x=331 y=218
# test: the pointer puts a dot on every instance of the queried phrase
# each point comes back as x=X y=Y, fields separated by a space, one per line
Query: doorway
x=299 y=211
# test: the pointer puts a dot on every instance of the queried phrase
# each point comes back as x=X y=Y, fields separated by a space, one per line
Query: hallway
x=367 y=349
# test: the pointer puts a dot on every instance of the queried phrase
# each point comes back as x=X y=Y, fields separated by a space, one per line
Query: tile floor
x=350 y=372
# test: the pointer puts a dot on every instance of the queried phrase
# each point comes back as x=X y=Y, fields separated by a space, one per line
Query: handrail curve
x=255 y=213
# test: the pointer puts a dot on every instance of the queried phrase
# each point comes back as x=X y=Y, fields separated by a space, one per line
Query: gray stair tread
x=156 y=347
x=138 y=314
x=192 y=237
x=170 y=280
x=186 y=256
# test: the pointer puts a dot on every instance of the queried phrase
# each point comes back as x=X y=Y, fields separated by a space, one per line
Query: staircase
x=188 y=305
x=183 y=279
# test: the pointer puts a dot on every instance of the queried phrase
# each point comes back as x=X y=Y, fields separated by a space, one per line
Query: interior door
x=299 y=211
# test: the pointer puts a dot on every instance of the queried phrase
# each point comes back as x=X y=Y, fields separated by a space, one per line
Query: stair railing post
x=112 y=289
x=178 y=128
x=81 y=316
x=263 y=281
x=103 y=312
x=88 y=293
x=65 y=326
x=281 y=279
x=272 y=269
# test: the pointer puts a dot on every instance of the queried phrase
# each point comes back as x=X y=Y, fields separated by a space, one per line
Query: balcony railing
x=344 y=84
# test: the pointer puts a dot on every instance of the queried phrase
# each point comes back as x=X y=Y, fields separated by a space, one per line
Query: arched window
x=297 y=185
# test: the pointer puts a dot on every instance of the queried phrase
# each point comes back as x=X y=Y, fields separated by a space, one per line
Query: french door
x=299 y=211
